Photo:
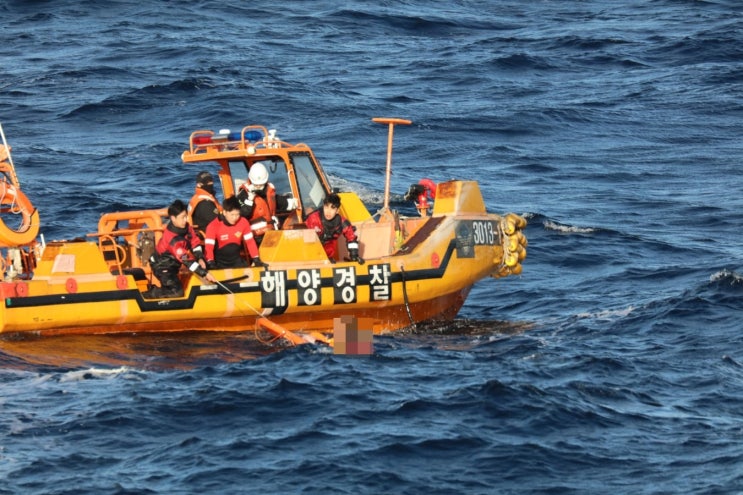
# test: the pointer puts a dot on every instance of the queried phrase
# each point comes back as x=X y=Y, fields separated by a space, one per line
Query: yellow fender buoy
x=513 y=243
x=508 y=226
x=518 y=221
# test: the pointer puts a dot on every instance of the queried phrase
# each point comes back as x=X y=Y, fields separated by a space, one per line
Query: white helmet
x=258 y=174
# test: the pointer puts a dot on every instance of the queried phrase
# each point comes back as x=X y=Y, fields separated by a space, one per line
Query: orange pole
x=268 y=325
x=388 y=174
x=280 y=331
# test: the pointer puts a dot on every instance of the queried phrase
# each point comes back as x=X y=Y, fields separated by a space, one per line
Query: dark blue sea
x=613 y=364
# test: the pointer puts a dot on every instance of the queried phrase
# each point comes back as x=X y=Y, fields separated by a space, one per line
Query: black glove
x=257 y=262
x=211 y=265
x=353 y=254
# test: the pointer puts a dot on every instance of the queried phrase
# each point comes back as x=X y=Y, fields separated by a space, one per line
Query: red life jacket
x=224 y=242
x=330 y=230
x=182 y=245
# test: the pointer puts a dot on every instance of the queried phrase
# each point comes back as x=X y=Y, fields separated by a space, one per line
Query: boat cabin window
x=311 y=190
x=277 y=174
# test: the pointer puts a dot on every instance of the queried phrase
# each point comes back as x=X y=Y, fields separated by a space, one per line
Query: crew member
x=227 y=236
x=330 y=225
x=179 y=245
x=259 y=202
x=203 y=207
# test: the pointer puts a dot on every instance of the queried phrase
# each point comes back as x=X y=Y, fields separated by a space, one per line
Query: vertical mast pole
x=388 y=174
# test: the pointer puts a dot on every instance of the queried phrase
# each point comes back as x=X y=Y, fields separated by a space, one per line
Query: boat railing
x=125 y=251
x=248 y=140
x=127 y=239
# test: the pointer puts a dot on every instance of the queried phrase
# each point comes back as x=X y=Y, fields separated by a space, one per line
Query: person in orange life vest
x=259 y=202
x=330 y=225
x=203 y=207
x=226 y=236
x=179 y=245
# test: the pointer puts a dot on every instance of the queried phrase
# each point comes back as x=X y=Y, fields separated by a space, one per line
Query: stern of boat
x=495 y=243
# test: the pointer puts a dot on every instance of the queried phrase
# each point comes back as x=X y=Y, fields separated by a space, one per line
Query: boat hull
x=415 y=270
x=380 y=320
x=306 y=296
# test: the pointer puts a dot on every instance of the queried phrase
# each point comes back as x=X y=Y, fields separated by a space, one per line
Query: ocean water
x=613 y=364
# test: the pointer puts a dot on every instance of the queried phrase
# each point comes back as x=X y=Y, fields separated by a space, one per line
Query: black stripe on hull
x=147 y=305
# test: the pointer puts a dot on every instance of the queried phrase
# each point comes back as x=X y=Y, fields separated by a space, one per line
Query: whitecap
x=568 y=229
x=735 y=278
x=608 y=314
x=95 y=373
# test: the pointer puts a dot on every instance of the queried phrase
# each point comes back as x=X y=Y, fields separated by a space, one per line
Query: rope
x=258 y=313
x=238 y=300
x=405 y=296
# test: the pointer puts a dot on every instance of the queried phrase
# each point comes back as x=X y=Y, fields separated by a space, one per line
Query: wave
x=683 y=304
x=629 y=240
x=568 y=229
x=719 y=45
x=98 y=373
x=430 y=23
x=521 y=61
x=608 y=314
x=726 y=277
x=154 y=96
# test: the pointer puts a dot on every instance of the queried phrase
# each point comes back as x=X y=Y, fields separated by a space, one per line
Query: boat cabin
x=293 y=169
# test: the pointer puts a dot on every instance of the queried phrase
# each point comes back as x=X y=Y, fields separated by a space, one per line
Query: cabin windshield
x=311 y=190
x=277 y=174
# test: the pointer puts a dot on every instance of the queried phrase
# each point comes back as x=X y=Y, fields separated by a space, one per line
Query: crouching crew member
x=226 y=237
x=259 y=202
x=179 y=245
x=330 y=225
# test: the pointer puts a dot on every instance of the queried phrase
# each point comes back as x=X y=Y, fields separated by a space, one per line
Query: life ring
x=429 y=186
x=13 y=201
